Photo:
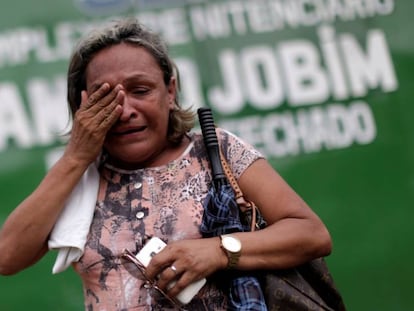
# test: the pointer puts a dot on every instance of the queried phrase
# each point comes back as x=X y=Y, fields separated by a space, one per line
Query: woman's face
x=139 y=137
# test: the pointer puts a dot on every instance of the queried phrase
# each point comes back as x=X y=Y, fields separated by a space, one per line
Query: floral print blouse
x=166 y=202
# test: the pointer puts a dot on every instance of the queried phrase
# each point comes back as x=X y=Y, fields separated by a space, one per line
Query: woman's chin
x=132 y=157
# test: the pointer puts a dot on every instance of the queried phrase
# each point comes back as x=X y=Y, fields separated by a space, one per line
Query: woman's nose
x=128 y=111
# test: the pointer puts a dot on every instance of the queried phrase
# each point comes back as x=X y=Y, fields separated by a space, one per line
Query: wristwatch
x=232 y=248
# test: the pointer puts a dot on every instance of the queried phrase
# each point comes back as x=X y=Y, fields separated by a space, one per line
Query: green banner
x=322 y=87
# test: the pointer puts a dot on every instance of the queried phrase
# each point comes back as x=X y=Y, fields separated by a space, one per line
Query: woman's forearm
x=284 y=244
x=24 y=235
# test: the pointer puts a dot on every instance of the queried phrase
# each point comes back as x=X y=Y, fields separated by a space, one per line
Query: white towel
x=72 y=227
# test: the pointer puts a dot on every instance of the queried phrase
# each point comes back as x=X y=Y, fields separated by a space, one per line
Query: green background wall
x=345 y=146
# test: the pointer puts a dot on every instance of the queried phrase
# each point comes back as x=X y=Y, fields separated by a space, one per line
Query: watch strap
x=233 y=257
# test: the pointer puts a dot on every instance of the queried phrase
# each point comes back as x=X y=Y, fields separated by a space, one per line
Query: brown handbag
x=306 y=287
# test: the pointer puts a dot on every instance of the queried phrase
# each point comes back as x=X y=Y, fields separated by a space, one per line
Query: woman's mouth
x=128 y=131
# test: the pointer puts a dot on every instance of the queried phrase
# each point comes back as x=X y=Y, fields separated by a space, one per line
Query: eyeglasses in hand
x=148 y=282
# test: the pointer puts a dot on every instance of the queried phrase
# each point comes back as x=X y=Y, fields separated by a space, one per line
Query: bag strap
x=244 y=205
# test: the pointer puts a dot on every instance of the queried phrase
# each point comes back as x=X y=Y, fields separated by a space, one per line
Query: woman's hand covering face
x=97 y=113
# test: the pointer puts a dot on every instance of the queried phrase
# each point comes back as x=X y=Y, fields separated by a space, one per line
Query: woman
x=153 y=177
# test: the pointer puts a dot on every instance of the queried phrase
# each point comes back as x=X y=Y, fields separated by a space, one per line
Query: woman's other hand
x=192 y=260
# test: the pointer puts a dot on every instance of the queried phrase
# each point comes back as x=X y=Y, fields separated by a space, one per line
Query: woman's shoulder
x=225 y=138
x=240 y=154
x=229 y=140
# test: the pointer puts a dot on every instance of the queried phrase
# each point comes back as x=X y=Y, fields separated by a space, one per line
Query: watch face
x=231 y=244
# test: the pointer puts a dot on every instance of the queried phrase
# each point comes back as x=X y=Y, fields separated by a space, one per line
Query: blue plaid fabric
x=246 y=294
x=221 y=216
x=221 y=213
